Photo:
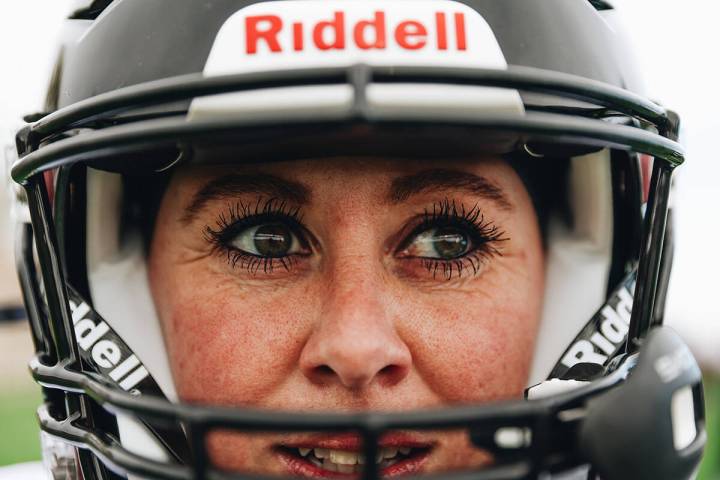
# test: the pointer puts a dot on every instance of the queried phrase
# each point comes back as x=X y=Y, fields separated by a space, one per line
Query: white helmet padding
x=578 y=260
x=117 y=277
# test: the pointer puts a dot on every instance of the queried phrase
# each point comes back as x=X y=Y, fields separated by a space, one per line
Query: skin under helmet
x=142 y=88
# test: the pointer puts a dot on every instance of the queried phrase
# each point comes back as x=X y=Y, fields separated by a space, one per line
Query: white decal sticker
x=97 y=339
x=608 y=333
x=305 y=33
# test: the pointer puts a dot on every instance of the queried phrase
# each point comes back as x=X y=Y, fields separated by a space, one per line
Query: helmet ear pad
x=656 y=414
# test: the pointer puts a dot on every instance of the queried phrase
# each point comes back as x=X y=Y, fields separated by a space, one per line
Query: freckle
x=175 y=322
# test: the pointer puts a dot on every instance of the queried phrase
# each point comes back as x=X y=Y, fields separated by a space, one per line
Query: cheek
x=476 y=346
x=229 y=345
x=481 y=357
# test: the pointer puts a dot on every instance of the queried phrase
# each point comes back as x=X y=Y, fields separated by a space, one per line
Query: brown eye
x=443 y=243
x=272 y=240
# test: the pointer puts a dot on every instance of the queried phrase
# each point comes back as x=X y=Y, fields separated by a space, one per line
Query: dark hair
x=546 y=180
x=142 y=195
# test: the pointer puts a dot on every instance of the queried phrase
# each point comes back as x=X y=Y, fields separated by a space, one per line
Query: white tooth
x=379 y=456
x=404 y=450
x=315 y=461
x=388 y=463
x=328 y=465
x=343 y=458
x=389 y=452
x=361 y=459
x=346 y=468
x=322 y=452
x=304 y=451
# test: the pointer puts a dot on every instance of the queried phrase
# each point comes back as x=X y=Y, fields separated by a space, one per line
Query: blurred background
x=676 y=43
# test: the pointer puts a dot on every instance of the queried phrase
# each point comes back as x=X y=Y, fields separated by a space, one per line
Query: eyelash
x=486 y=236
x=240 y=216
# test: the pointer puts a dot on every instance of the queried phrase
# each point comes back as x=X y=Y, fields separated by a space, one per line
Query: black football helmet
x=142 y=87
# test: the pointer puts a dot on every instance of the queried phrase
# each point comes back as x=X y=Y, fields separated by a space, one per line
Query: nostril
x=388 y=375
x=320 y=374
x=324 y=370
x=392 y=374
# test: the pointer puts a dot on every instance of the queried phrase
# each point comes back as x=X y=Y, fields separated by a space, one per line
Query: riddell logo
x=601 y=343
x=447 y=32
x=104 y=349
x=306 y=34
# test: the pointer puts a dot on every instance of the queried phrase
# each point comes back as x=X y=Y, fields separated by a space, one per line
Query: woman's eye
x=443 y=243
x=271 y=240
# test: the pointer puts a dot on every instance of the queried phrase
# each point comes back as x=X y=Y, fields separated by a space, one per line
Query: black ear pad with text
x=630 y=433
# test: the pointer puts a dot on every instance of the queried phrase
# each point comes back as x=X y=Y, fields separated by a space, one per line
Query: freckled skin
x=350 y=326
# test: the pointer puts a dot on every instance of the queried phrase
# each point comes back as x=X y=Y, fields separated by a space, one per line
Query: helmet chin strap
x=103 y=352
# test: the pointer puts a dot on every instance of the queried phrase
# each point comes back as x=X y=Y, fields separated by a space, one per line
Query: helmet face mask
x=96 y=172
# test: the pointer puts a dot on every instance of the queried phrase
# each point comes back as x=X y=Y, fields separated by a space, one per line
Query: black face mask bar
x=558 y=439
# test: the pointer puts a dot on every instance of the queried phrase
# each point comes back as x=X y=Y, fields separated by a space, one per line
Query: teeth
x=345 y=468
x=389 y=452
x=328 y=465
x=387 y=463
x=343 y=461
x=322 y=452
x=343 y=458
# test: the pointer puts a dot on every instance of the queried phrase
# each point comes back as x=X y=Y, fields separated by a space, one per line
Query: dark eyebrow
x=426 y=181
x=234 y=185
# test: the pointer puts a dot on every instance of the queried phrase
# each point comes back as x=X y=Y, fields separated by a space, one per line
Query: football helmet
x=142 y=87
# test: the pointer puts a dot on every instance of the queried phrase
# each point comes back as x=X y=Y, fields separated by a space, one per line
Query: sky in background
x=676 y=43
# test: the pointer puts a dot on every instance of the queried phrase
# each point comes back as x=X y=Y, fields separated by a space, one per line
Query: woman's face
x=333 y=285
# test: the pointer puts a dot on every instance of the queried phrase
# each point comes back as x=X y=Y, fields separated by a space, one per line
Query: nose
x=355 y=342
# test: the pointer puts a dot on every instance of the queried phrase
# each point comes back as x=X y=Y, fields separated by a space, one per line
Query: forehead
x=328 y=172
x=341 y=180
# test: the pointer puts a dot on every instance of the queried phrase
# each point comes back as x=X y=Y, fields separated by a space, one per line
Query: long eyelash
x=487 y=236
x=239 y=216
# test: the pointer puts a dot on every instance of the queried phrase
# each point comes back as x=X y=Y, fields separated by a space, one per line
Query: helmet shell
x=127 y=45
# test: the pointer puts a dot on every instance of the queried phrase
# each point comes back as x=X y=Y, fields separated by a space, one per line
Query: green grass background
x=19 y=433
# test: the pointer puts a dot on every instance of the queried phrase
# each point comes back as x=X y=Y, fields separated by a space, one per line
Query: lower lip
x=304 y=468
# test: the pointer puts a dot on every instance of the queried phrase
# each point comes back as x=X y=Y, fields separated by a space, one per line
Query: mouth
x=347 y=461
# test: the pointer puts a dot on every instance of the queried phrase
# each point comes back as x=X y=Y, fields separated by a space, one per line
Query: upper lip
x=353 y=442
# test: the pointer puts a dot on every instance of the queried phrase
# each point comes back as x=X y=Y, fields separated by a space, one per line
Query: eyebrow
x=435 y=180
x=233 y=185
